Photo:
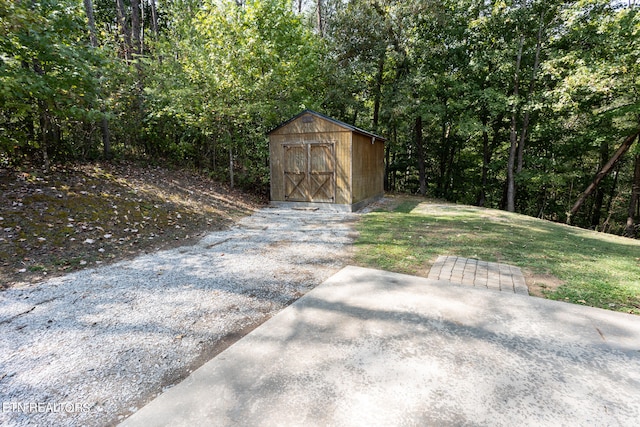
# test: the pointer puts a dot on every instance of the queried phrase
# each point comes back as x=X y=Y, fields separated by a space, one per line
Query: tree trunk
x=137 y=50
x=525 y=122
x=387 y=163
x=212 y=155
x=45 y=124
x=378 y=91
x=88 y=8
x=394 y=177
x=154 y=17
x=626 y=144
x=320 y=17
x=124 y=29
x=135 y=26
x=511 y=182
x=420 y=153
x=231 y=168
x=482 y=197
x=488 y=154
x=597 y=206
x=596 y=213
x=142 y=19
x=444 y=155
x=106 y=141
x=630 y=230
x=45 y=120
x=612 y=194
x=449 y=187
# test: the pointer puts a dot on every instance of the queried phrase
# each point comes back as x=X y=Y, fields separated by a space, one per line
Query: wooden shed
x=316 y=159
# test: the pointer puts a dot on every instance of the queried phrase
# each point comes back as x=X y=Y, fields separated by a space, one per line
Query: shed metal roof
x=334 y=121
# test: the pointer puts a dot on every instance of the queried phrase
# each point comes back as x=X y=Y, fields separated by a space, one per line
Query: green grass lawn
x=559 y=262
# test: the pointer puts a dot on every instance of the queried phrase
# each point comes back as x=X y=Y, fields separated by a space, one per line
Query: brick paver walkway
x=482 y=274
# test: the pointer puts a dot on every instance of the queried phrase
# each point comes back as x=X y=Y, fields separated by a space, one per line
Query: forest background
x=518 y=105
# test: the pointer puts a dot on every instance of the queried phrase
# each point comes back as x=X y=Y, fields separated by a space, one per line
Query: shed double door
x=309 y=172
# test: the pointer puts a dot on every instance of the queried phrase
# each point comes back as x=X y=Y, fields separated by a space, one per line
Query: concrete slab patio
x=369 y=347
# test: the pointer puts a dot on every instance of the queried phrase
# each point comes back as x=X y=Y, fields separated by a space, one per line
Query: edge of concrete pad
x=369 y=347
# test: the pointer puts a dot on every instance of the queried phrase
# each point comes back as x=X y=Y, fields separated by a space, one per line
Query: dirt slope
x=79 y=216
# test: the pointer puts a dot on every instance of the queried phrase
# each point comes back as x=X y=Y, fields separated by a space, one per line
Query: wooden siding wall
x=307 y=129
x=368 y=168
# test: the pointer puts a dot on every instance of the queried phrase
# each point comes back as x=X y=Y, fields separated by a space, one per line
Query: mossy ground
x=80 y=216
x=560 y=262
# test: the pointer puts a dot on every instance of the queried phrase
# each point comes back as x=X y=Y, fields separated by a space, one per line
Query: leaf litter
x=79 y=216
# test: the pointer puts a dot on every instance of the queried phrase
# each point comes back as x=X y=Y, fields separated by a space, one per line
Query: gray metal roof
x=334 y=121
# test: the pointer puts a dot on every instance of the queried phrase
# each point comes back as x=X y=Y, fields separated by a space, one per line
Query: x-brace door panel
x=309 y=172
x=322 y=172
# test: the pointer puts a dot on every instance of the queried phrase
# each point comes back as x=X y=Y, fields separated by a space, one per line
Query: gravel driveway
x=92 y=347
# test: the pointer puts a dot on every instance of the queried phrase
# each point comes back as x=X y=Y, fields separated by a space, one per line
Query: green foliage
x=235 y=73
x=47 y=74
x=212 y=77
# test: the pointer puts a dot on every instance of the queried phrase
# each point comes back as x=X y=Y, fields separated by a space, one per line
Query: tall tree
x=47 y=76
x=524 y=132
x=320 y=17
x=154 y=17
x=126 y=45
x=634 y=200
x=135 y=27
x=420 y=154
x=104 y=123
x=624 y=147
x=513 y=139
x=88 y=7
x=594 y=91
x=597 y=208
